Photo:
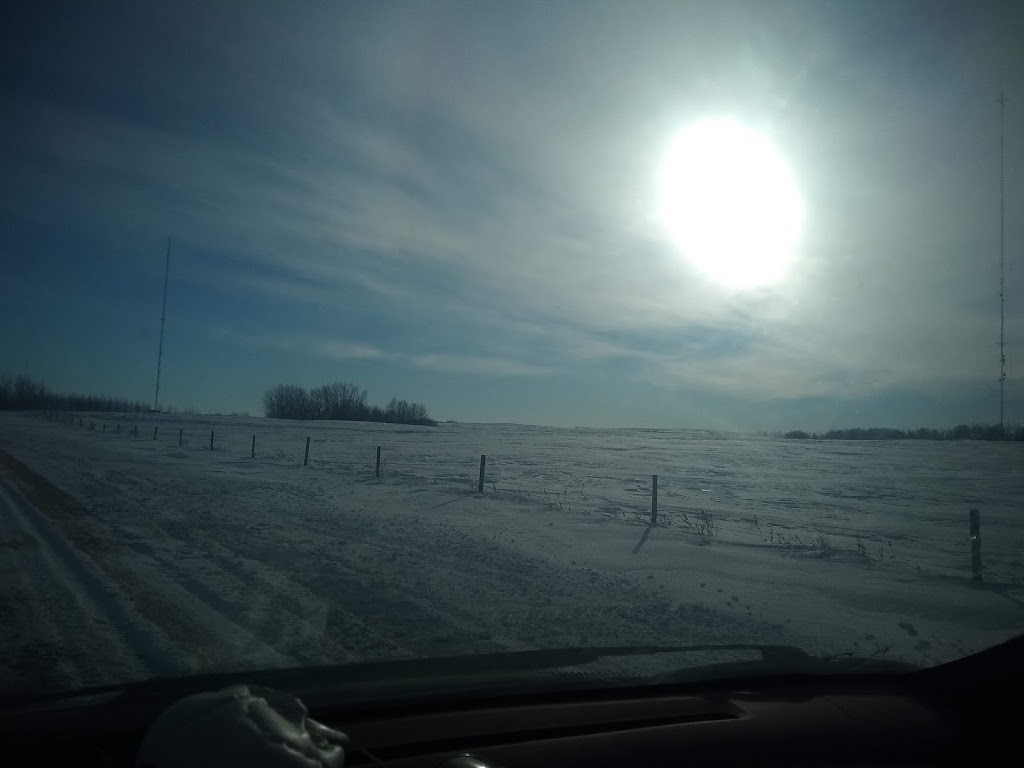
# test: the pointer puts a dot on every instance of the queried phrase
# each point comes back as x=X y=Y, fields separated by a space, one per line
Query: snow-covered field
x=136 y=557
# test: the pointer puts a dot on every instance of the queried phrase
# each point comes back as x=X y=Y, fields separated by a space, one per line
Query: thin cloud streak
x=491 y=366
x=345 y=349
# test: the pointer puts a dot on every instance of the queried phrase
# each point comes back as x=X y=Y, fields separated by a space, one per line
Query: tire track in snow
x=78 y=621
x=170 y=626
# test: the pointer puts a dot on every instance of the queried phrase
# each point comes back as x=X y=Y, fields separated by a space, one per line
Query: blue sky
x=453 y=202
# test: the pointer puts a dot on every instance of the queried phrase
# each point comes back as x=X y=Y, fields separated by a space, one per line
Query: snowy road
x=62 y=624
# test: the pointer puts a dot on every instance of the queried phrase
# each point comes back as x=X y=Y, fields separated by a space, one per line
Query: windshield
x=350 y=332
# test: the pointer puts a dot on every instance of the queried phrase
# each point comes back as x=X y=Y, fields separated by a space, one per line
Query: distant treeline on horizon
x=339 y=402
x=959 y=432
x=23 y=393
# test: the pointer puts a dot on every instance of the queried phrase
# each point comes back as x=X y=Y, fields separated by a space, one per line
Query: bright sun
x=730 y=203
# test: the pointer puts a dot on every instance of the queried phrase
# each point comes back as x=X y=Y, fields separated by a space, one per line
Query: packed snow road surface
x=63 y=624
x=126 y=557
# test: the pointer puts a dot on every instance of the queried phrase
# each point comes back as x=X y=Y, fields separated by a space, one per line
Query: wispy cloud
x=331 y=349
x=478 y=365
x=344 y=349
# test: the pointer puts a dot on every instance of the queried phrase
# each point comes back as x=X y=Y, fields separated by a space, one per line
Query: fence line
x=708 y=529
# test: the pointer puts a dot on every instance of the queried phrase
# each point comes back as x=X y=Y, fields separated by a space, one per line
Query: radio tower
x=163 y=317
x=1002 y=263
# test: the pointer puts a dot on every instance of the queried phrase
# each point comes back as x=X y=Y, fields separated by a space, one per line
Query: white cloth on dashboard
x=241 y=725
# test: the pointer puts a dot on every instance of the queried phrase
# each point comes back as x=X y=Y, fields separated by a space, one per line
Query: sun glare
x=730 y=204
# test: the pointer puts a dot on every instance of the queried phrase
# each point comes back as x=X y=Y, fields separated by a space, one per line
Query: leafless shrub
x=705 y=524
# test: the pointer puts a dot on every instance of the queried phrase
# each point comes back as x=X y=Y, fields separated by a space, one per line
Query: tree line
x=959 y=432
x=341 y=402
x=23 y=393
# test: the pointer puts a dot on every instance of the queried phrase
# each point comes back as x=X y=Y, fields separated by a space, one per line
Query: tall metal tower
x=163 y=317
x=1002 y=262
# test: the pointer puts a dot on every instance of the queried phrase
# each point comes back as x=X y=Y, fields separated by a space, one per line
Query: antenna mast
x=1002 y=262
x=163 y=317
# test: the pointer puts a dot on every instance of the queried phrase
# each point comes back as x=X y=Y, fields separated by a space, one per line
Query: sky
x=456 y=203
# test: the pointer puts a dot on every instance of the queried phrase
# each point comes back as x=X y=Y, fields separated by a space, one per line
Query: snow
x=178 y=558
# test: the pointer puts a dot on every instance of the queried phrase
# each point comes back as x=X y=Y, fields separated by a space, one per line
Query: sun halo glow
x=730 y=203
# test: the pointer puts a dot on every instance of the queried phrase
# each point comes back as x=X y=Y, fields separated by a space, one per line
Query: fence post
x=154 y=432
x=79 y=421
x=483 y=463
x=179 y=436
x=211 y=439
x=654 y=499
x=252 y=455
x=377 y=472
x=305 y=461
x=135 y=430
x=975 y=545
x=104 y=427
x=117 y=430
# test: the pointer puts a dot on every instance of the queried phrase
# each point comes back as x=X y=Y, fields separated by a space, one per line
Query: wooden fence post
x=135 y=430
x=305 y=460
x=975 y=545
x=79 y=421
x=377 y=472
x=180 y=430
x=483 y=463
x=211 y=439
x=654 y=499
x=154 y=432
x=117 y=430
x=252 y=455
x=104 y=427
